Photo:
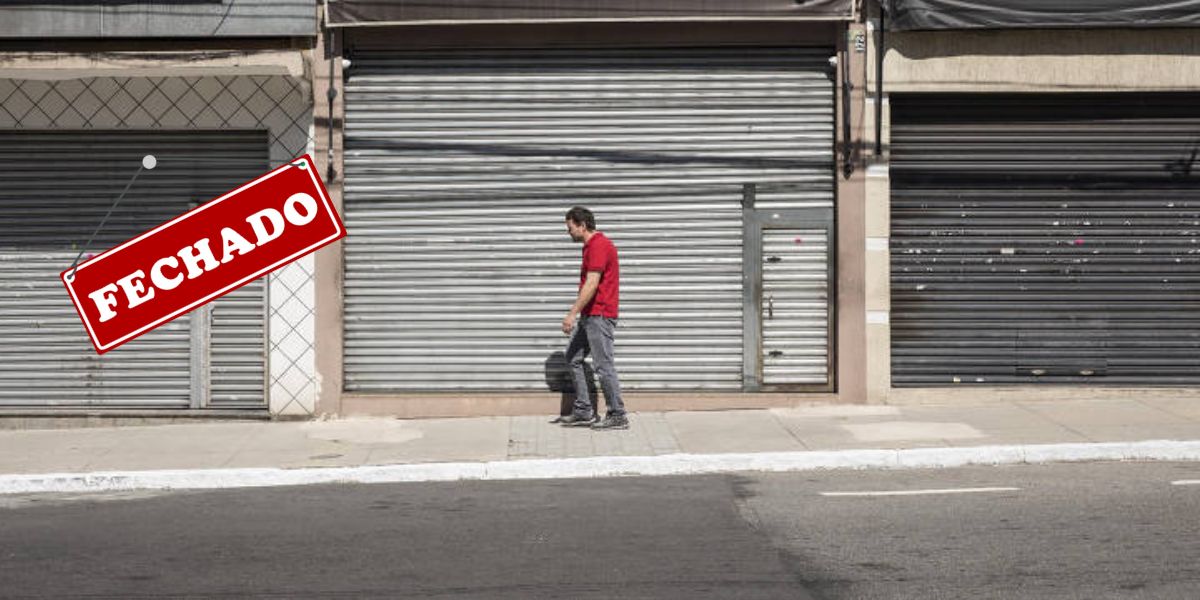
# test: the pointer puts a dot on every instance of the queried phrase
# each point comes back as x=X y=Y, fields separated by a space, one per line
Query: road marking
x=984 y=490
x=1186 y=482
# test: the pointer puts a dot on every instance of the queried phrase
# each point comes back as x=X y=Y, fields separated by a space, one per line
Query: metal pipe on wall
x=330 y=172
x=879 y=52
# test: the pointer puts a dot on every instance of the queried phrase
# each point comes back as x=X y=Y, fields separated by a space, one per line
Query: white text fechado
x=197 y=259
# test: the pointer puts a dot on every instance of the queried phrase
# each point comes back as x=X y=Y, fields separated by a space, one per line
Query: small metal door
x=790 y=301
x=795 y=306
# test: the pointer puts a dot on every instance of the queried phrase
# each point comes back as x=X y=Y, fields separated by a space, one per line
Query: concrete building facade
x=219 y=93
x=829 y=201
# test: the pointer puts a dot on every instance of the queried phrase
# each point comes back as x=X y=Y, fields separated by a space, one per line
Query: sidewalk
x=234 y=454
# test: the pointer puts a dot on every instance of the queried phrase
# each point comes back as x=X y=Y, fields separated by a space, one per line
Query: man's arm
x=590 y=284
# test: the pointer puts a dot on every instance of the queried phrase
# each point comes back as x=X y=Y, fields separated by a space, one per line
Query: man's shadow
x=558 y=379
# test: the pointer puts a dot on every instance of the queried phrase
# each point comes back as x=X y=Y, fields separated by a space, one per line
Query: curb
x=602 y=466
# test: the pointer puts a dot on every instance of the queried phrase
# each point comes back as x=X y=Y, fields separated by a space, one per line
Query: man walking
x=596 y=311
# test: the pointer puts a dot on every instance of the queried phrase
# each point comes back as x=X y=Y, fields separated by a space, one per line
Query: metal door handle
x=770 y=307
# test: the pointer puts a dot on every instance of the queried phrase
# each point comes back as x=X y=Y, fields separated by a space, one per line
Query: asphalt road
x=1066 y=531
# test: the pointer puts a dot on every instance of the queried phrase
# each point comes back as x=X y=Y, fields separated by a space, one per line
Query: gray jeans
x=594 y=335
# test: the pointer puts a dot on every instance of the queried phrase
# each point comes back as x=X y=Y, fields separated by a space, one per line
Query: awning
x=908 y=15
x=344 y=13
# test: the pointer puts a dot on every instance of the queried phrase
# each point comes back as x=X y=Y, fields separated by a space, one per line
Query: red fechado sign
x=203 y=254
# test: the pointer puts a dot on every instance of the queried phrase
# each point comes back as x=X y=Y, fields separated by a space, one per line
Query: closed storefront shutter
x=1045 y=239
x=460 y=167
x=58 y=186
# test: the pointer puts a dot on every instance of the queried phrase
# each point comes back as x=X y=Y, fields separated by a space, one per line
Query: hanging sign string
x=148 y=162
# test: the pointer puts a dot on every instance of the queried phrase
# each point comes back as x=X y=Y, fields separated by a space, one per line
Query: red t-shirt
x=600 y=255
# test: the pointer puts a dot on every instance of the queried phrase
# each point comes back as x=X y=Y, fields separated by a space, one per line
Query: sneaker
x=612 y=422
x=578 y=421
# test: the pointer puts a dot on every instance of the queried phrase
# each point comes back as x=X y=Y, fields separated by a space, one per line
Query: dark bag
x=558 y=379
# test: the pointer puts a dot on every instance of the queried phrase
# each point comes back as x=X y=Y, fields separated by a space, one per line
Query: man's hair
x=582 y=216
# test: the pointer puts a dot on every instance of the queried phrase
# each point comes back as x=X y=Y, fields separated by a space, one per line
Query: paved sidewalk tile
x=53 y=451
x=609 y=443
x=1004 y=423
x=523 y=436
x=551 y=441
x=986 y=418
x=839 y=411
x=819 y=433
x=133 y=458
x=287 y=444
x=367 y=431
x=1133 y=433
x=731 y=431
x=448 y=440
x=1185 y=408
x=579 y=442
x=182 y=446
x=844 y=427
x=655 y=432
x=1113 y=421
x=535 y=437
x=825 y=439
x=911 y=431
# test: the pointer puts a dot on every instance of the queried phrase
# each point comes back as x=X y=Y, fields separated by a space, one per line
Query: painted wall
x=1042 y=60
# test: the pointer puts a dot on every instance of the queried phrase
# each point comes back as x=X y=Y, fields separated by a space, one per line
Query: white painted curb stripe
x=984 y=490
x=603 y=466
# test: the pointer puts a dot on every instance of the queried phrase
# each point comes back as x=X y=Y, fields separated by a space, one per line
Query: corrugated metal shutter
x=1045 y=239
x=461 y=165
x=237 y=347
x=795 y=306
x=57 y=186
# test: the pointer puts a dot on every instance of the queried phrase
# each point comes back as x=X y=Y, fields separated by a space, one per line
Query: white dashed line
x=983 y=490
x=1186 y=482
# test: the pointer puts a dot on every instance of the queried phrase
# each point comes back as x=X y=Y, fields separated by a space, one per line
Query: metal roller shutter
x=237 y=346
x=1045 y=239
x=461 y=165
x=795 y=306
x=58 y=185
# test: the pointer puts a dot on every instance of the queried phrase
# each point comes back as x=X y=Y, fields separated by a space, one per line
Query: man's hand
x=586 y=292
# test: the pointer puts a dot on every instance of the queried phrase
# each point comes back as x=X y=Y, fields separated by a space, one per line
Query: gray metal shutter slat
x=796 y=337
x=1045 y=239
x=461 y=165
x=47 y=360
x=57 y=187
x=237 y=347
